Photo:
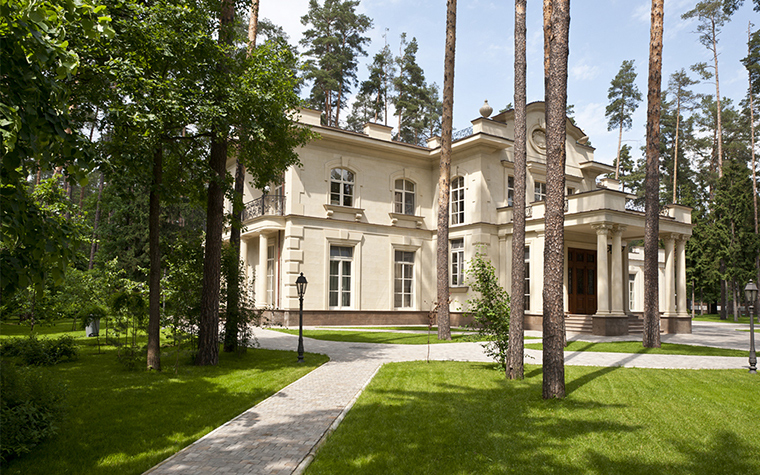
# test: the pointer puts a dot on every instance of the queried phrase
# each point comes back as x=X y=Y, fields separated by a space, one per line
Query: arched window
x=457 y=200
x=404 y=197
x=341 y=187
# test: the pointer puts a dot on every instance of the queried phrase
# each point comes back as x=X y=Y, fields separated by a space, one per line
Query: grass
x=465 y=418
x=635 y=347
x=125 y=422
x=379 y=337
x=406 y=328
x=715 y=318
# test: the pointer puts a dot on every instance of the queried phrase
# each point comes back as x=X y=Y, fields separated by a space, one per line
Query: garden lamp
x=301 y=288
x=750 y=292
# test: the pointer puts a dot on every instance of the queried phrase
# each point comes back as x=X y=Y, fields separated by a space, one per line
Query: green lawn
x=635 y=347
x=715 y=318
x=465 y=418
x=406 y=328
x=379 y=337
x=125 y=422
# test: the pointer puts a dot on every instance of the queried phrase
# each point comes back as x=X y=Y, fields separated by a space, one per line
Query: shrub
x=30 y=407
x=490 y=311
x=40 y=352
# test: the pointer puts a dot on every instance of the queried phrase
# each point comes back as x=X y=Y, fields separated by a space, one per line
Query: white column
x=602 y=274
x=617 y=271
x=261 y=275
x=681 y=276
x=625 y=277
x=244 y=258
x=670 y=275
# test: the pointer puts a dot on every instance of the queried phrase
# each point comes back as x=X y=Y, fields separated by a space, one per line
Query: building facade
x=358 y=219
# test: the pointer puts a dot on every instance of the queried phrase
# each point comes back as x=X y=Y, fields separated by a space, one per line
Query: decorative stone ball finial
x=486 y=110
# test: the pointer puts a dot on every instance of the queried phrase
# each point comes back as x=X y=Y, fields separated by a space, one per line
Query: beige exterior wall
x=310 y=224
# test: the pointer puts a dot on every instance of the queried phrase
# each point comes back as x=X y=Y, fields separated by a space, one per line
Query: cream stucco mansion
x=358 y=218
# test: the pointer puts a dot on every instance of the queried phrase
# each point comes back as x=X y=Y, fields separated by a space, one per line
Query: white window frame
x=403 y=262
x=539 y=191
x=526 y=297
x=510 y=190
x=457 y=262
x=346 y=184
x=404 y=199
x=340 y=291
x=457 y=200
x=271 y=274
x=631 y=290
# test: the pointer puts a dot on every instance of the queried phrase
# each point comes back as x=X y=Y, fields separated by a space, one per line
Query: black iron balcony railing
x=264 y=205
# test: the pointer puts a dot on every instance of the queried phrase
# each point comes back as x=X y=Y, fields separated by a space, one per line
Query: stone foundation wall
x=289 y=318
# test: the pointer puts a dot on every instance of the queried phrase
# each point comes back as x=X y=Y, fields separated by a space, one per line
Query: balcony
x=270 y=205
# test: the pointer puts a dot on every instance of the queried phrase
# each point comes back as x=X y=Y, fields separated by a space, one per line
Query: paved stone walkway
x=281 y=434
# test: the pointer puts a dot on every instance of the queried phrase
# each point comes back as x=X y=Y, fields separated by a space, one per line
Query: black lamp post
x=750 y=291
x=301 y=287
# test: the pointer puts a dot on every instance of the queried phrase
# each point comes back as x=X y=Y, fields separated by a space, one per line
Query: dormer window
x=404 y=197
x=342 y=187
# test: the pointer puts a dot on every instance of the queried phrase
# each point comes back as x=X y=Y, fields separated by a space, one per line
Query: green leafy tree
x=678 y=87
x=36 y=131
x=375 y=93
x=624 y=99
x=334 y=42
x=490 y=309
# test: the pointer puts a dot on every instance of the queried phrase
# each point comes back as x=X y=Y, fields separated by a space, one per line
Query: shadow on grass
x=127 y=421
x=432 y=420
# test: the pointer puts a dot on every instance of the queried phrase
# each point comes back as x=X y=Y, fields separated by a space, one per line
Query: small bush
x=30 y=408
x=489 y=311
x=40 y=352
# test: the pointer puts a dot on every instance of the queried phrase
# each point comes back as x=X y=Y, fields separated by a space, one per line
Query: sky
x=603 y=33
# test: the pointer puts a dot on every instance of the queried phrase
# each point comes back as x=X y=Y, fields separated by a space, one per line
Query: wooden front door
x=581 y=281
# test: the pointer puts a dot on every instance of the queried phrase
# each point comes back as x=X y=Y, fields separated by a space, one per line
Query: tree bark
x=556 y=108
x=675 y=152
x=233 y=276
x=717 y=100
x=651 y=338
x=620 y=145
x=516 y=348
x=253 y=25
x=752 y=148
x=154 y=278
x=444 y=179
x=94 y=245
x=208 y=328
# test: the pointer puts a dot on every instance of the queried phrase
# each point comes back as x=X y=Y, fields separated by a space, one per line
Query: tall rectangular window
x=341 y=187
x=539 y=191
x=457 y=200
x=403 y=279
x=631 y=290
x=457 y=263
x=341 y=259
x=271 y=274
x=510 y=190
x=527 y=278
x=404 y=197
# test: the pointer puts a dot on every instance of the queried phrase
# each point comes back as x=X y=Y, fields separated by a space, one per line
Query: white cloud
x=584 y=72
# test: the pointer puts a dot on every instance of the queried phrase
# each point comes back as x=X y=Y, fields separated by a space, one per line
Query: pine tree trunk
x=154 y=278
x=208 y=327
x=675 y=152
x=253 y=25
x=444 y=179
x=651 y=337
x=554 y=240
x=723 y=291
x=516 y=348
x=752 y=148
x=233 y=275
x=94 y=245
x=620 y=145
x=717 y=101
